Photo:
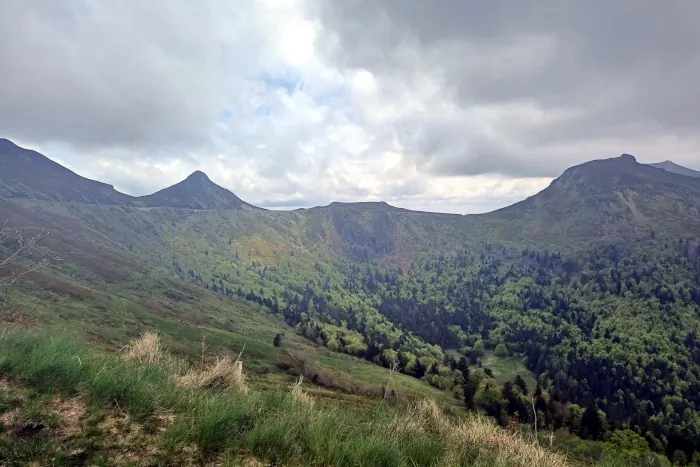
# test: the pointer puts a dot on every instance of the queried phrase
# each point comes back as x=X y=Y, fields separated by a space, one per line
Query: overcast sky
x=443 y=105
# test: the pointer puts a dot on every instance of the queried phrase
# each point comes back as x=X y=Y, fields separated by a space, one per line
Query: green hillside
x=576 y=310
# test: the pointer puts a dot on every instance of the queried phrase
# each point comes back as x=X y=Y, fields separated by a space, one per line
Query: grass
x=226 y=373
x=201 y=425
x=368 y=373
x=114 y=319
x=146 y=349
x=507 y=368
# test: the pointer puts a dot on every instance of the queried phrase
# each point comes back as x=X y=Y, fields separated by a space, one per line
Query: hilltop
x=615 y=200
x=195 y=192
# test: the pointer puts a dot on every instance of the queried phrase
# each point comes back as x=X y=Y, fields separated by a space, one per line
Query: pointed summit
x=197 y=191
x=197 y=176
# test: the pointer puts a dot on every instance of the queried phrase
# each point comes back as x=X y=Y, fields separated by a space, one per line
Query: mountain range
x=590 y=287
x=29 y=174
x=613 y=200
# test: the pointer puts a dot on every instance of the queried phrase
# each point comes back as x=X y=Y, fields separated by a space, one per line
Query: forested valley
x=611 y=335
x=575 y=312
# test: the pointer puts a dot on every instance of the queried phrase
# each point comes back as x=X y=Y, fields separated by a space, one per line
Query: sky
x=442 y=105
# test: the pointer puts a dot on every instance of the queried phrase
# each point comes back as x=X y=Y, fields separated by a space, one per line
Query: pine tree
x=591 y=425
x=463 y=367
x=520 y=382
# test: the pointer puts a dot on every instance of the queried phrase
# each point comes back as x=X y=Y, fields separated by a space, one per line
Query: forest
x=612 y=335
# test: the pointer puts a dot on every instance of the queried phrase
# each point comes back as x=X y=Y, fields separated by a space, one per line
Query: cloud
x=528 y=83
x=449 y=105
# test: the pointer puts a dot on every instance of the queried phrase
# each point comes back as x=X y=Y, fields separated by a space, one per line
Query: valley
x=582 y=302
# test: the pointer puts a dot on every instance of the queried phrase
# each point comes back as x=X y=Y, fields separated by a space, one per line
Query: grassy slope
x=185 y=314
x=507 y=368
x=66 y=405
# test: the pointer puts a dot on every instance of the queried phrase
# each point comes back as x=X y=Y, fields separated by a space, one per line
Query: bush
x=501 y=350
x=627 y=445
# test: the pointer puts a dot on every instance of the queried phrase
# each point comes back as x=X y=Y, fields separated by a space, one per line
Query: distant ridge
x=30 y=175
x=366 y=205
x=591 y=193
x=670 y=166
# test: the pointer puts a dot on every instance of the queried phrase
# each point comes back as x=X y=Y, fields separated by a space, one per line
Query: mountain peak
x=628 y=157
x=6 y=143
x=198 y=175
x=196 y=192
x=28 y=174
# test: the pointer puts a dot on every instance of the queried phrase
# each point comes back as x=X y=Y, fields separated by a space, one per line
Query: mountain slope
x=196 y=192
x=28 y=174
x=675 y=168
x=616 y=200
x=592 y=284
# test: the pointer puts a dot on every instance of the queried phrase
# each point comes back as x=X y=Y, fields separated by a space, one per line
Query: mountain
x=616 y=199
x=590 y=288
x=675 y=168
x=196 y=192
x=29 y=174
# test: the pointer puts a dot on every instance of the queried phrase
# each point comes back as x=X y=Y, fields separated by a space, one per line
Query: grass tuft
x=145 y=349
x=226 y=373
x=507 y=448
x=299 y=395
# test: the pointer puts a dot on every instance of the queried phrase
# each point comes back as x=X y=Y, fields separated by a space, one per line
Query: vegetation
x=231 y=425
x=575 y=312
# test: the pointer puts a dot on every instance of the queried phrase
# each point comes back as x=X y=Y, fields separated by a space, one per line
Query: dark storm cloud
x=617 y=72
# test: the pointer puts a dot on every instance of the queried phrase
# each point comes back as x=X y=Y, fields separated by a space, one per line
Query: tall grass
x=225 y=373
x=146 y=349
x=277 y=427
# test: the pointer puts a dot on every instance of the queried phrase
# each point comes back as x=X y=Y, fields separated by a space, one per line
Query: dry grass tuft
x=432 y=417
x=473 y=439
x=145 y=349
x=510 y=448
x=425 y=416
x=299 y=395
x=250 y=461
x=225 y=374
